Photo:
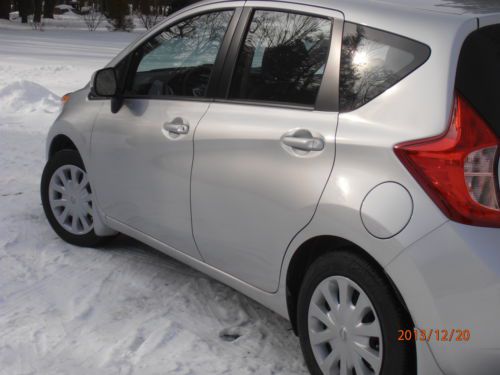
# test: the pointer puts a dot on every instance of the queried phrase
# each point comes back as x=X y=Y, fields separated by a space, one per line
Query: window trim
x=328 y=94
x=232 y=55
x=217 y=69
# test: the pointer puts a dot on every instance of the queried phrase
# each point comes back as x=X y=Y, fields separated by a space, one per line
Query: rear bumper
x=450 y=279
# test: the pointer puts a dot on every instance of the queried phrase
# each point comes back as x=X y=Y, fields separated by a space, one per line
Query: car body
x=252 y=191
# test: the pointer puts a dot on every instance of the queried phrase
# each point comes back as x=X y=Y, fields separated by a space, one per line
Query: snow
x=67 y=20
x=25 y=96
x=65 y=6
x=121 y=309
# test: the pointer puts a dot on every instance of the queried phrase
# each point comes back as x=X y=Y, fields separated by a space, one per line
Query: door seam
x=191 y=184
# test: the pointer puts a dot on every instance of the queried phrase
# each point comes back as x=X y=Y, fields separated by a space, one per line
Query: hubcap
x=344 y=330
x=343 y=334
x=70 y=199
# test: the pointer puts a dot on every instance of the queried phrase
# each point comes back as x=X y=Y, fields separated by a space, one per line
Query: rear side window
x=373 y=61
x=283 y=58
x=478 y=76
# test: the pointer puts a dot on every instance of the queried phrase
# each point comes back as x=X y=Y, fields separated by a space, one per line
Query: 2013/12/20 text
x=442 y=335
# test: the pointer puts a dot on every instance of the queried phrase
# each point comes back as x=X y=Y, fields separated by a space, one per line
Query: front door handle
x=304 y=144
x=178 y=129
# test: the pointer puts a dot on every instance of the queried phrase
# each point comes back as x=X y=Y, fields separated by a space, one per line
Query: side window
x=283 y=58
x=373 y=61
x=179 y=61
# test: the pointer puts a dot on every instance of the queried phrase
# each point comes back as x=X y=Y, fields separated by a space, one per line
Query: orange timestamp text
x=441 y=335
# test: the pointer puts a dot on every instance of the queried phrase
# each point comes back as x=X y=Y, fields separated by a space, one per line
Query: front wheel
x=68 y=200
x=349 y=318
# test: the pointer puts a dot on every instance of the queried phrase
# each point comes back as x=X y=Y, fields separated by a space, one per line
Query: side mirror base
x=116 y=104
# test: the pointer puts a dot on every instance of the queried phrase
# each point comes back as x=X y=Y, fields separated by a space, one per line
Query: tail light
x=459 y=169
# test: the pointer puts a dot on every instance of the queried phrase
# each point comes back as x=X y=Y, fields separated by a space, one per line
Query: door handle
x=304 y=144
x=178 y=129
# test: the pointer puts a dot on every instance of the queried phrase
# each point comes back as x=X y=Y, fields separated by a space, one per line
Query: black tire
x=398 y=357
x=61 y=158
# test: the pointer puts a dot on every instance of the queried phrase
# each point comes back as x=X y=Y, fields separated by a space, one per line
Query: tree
x=48 y=9
x=25 y=9
x=92 y=16
x=37 y=16
x=117 y=12
x=149 y=12
x=176 y=5
x=5 y=9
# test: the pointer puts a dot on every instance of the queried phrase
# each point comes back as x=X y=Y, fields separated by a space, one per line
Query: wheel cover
x=70 y=198
x=344 y=329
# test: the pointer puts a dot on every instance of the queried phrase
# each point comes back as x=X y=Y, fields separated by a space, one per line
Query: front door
x=263 y=155
x=142 y=155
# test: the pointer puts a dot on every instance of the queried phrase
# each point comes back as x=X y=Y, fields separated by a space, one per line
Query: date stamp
x=441 y=335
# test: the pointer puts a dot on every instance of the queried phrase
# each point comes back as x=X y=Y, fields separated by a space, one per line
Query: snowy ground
x=122 y=309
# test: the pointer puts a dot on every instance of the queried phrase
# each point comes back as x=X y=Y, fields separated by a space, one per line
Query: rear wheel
x=349 y=318
x=68 y=200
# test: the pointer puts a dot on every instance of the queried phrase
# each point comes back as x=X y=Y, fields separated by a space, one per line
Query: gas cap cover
x=386 y=210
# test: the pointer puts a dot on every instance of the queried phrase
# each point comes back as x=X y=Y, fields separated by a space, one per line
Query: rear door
x=265 y=149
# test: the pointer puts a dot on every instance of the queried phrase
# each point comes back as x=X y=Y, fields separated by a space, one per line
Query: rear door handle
x=304 y=144
x=178 y=129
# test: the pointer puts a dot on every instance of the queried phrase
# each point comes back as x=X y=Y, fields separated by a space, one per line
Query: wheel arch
x=312 y=249
x=61 y=142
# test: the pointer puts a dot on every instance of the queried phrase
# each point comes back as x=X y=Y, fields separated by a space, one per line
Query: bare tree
x=36 y=17
x=149 y=12
x=92 y=16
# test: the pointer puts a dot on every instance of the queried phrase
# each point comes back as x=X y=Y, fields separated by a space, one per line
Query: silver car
x=337 y=161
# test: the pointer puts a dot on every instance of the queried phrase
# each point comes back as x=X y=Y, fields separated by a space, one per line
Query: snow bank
x=26 y=96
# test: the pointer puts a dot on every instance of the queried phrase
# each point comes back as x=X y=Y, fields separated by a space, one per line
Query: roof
x=449 y=6
x=456 y=7
x=428 y=21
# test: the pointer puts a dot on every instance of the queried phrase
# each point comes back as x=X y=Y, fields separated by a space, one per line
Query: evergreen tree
x=37 y=16
x=48 y=9
x=117 y=12
x=176 y=5
x=4 y=9
x=25 y=9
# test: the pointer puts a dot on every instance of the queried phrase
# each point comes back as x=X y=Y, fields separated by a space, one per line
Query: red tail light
x=459 y=169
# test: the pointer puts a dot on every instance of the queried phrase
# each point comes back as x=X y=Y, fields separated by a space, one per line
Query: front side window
x=283 y=58
x=179 y=61
x=373 y=61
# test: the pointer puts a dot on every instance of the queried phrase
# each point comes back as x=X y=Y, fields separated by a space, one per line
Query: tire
x=63 y=163
x=372 y=303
